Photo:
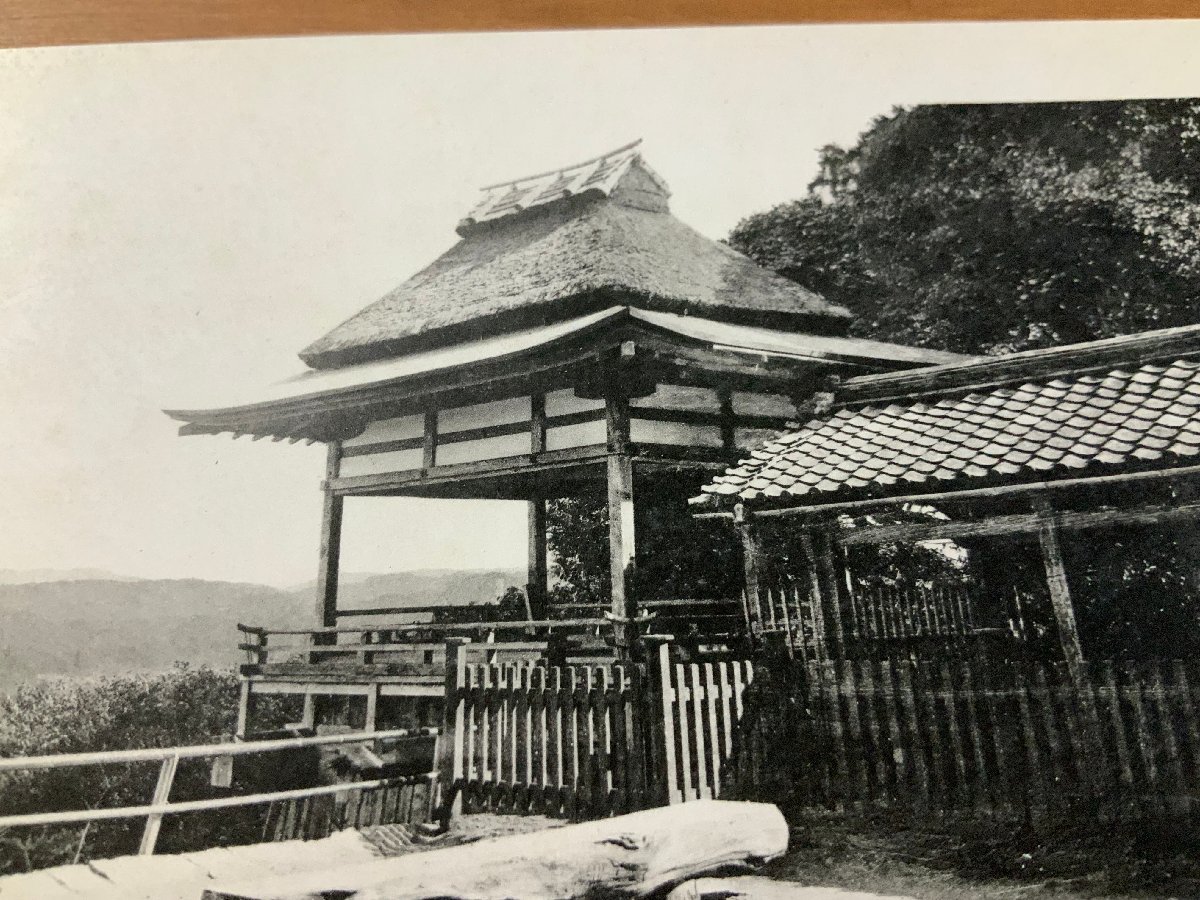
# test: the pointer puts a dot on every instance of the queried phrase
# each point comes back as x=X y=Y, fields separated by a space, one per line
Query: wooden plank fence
x=701 y=708
x=565 y=741
x=406 y=800
x=964 y=735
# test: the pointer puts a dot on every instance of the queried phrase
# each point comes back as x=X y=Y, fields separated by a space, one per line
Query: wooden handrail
x=237 y=748
x=389 y=610
x=514 y=625
x=169 y=758
x=159 y=809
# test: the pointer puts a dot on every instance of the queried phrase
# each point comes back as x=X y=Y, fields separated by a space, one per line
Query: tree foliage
x=988 y=229
x=992 y=228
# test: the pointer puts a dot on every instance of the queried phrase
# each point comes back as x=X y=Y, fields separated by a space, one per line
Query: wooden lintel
x=464 y=472
x=823 y=512
x=1018 y=523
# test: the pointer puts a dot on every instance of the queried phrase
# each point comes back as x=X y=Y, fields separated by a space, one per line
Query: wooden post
x=816 y=595
x=537 y=586
x=245 y=709
x=429 y=448
x=750 y=554
x=827 y=568
x=1068 y=635
x=369 y=723
x=1060 y=593
x=622 y=544
x=728 y=421
x=162 y=792
x=331 y=542
x=449 y=752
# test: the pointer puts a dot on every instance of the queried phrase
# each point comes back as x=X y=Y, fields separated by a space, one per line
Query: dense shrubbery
x=182 y=706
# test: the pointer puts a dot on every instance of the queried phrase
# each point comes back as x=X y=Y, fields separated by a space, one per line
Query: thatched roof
x=563 y=244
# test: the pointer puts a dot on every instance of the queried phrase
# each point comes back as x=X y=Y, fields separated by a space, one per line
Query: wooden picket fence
x=701 y=708
x=964 y=735
x=871 y=622
x=567 y=741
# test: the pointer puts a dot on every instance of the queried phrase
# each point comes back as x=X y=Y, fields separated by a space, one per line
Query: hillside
x=85 y=627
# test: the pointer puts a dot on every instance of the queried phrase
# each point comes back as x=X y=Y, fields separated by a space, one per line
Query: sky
x=178 y=220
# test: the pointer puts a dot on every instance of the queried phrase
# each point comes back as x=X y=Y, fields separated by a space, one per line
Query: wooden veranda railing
x=160 y=804
x=406 y=638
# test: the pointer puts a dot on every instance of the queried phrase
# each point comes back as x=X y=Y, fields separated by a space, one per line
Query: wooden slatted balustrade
x=169 y=758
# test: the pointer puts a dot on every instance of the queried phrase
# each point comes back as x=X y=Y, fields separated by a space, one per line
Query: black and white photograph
x=685 y=463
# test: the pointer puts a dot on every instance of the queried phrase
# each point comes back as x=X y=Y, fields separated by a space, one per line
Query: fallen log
x=625 y=856
x=753 y=887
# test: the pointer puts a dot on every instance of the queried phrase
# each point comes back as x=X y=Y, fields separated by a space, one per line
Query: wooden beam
x=991 y=372
x=331 y=541
x=537 y=586
x=823 y=512
x=1018 y=523
x=501 y=467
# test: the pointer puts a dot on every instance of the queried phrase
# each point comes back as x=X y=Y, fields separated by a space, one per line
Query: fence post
x=450 y=742
x=162 y=791
x=671 y=793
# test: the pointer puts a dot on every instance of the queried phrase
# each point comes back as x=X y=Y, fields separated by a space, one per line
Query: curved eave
x=301 y=407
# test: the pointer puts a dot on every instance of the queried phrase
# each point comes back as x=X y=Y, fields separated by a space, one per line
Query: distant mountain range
x=79 y=626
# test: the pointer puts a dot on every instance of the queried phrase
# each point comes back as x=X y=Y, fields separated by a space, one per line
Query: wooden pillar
x=537 y=586
x=1060 y=592
x=816 y=595
x=622 y=541
x=448 y=753
x=331 y=543
x=748 y=536
x=829 y=592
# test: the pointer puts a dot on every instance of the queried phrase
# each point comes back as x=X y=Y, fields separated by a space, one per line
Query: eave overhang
x=330 y=404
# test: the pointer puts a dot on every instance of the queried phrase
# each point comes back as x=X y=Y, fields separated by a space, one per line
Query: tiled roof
x=600 y=174
x=1137 y=415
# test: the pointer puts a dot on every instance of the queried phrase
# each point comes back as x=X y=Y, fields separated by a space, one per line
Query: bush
x=179 y=707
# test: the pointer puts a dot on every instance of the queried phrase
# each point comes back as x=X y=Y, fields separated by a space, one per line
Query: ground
x=990 y=861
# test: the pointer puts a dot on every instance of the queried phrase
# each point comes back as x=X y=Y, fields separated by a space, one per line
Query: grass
x=993 y=860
